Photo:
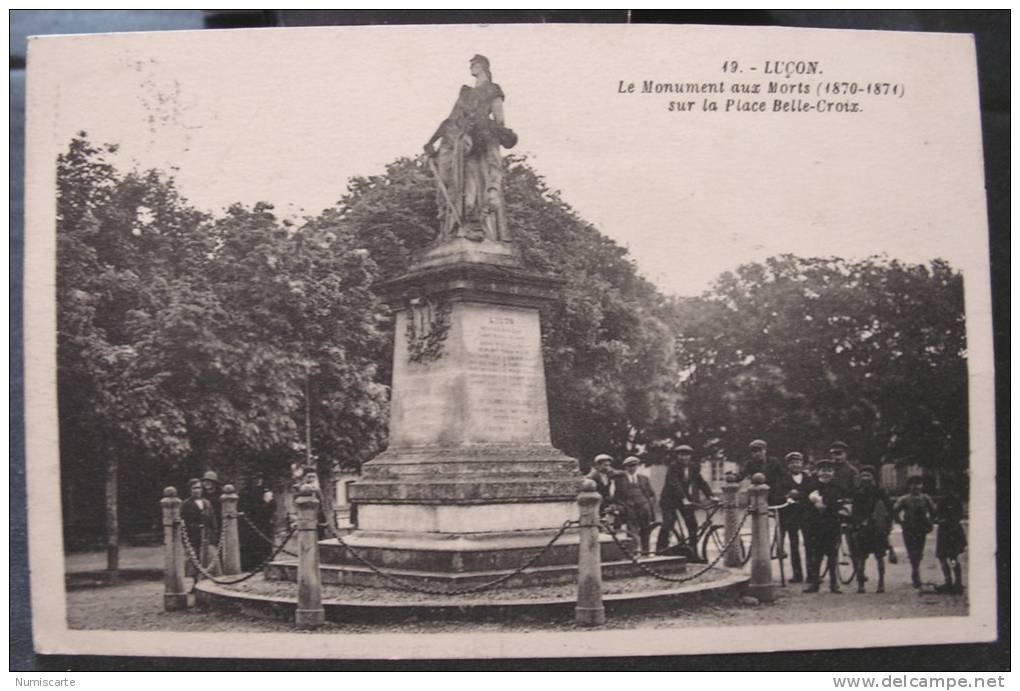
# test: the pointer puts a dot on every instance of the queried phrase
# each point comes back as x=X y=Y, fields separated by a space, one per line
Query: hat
x=870 y=469
x=841 y=445
x=194 y=481
x=603 y=457
x=825 y=463
x=480 y=59
x=794 y=456
x=758 y=444
x=683 y=448
x=631 y=460
x=211 y=475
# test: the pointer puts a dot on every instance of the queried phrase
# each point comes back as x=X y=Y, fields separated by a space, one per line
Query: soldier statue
x=467 y=165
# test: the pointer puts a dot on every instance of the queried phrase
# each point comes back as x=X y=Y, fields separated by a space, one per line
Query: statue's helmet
x=483 y=61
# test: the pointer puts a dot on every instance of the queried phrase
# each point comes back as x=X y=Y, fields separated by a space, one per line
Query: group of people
x=630 y=495
x=815 y=504
x=201 y=514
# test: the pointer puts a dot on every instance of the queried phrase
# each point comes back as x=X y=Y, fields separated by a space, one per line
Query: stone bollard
x=231 y=542
x=310 y=613
x=733 y=558
x=760 y=586
x=589 y=610
x=175 y=596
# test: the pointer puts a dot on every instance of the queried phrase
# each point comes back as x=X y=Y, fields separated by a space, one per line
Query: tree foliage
x=804 y=351
x=187 y=342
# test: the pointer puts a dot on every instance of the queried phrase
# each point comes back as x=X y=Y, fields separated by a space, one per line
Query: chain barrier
x=220 y=546
x=269 y=540
x=197 y=563
x=686 y=578
x=405 y=585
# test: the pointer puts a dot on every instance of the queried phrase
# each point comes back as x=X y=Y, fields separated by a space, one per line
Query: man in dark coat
x=211 y=490
x=259 y=507
x=872 y=516
x=680 y=493
x=761 y=462
x=635 y=494
x=200 y=523
x=822 y=527
x=847 y=474
x=794 y=487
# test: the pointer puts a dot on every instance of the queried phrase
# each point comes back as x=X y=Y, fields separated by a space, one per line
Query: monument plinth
x=469 y=421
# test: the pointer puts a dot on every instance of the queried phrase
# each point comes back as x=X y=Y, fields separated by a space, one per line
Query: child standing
x=950 y=541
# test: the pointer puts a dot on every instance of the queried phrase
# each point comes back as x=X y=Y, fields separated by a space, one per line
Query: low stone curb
x=208 y=594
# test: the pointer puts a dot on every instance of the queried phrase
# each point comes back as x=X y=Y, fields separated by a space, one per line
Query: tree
x=804 y=351
x=186 y=342
x=607 y=343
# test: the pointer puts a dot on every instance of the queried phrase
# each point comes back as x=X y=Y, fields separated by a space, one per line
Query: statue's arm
x=497 y=111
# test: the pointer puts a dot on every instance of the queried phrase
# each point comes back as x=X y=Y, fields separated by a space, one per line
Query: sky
x=288 y=116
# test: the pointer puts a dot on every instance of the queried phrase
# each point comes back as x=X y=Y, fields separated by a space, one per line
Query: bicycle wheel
x=847 y=565
x=714 y=540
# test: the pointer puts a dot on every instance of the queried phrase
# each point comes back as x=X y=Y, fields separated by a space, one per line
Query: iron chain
x=265 y=537
x=197 y=563
x=405 y=585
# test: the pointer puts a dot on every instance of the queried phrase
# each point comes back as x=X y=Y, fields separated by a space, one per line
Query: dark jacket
x=825 y=521
x=196 y=518
x=683 y=483
x=872 y=508
x=604 y=486
x=793 y=516
x=773 y=471
x=636 y=493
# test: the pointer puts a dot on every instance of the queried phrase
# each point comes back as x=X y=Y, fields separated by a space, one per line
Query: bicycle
x=705 y=534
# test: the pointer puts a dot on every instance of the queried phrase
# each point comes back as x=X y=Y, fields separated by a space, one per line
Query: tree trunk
x=112 y=525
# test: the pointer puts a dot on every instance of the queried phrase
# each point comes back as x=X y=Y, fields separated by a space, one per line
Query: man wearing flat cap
x=847 y=474
x=635 y=494
x=760 y=462
x=684 y=484
x=794 y=488
x=603 y=473
x=211 y=490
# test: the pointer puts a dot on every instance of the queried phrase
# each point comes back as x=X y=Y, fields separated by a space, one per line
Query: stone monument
x=470 y=483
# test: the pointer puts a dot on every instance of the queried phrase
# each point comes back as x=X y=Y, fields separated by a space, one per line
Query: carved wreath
x=427 y=326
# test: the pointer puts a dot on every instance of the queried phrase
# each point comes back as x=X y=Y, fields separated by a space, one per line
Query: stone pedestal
x=470 y=481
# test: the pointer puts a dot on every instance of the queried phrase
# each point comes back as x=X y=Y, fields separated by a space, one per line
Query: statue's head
x=480 y=62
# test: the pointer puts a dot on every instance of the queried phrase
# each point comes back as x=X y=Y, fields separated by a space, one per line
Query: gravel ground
x=138 y=606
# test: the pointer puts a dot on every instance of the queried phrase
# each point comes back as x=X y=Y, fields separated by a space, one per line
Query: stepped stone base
x=459 y=553
x=362 y=576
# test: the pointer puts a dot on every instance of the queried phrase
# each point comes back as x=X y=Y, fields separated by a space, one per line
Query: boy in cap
x=794 y=488
x=635 y=494
x=872 y=519
x=823 y=527
x=914 y=512
x=603 y=473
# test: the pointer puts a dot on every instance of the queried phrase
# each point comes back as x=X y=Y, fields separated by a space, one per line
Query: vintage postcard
x=507 y=341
